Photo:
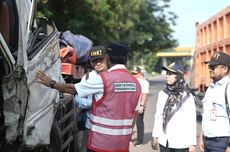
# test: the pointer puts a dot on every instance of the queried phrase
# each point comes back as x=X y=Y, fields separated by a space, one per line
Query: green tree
x=152 y=33
x=144 y=25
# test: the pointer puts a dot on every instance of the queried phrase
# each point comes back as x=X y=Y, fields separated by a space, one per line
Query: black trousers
x=90 y=150
x=140 y=127
x=85 y=140
x=215 y=144
x=167 y=149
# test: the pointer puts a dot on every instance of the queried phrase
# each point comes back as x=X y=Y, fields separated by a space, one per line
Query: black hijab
x=175 y=94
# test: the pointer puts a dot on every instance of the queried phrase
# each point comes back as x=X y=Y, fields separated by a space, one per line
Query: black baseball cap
x=97 y=52
x=117 y=49
x=219 y=58
x=174 y=68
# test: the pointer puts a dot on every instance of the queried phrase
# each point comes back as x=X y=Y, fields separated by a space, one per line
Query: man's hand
x=63 y=87
x=201 y=143
x=154 y=143
x=141 y=109
x=228 y=149
x=44 y=79
x=192 y=148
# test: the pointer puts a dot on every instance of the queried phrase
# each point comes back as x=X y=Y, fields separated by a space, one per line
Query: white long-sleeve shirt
x=92 y=86
x=181 y=129
x=85 y=102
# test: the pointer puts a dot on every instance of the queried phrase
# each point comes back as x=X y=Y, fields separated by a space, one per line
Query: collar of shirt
x=117 y=66
x=221 y=81
x=140 y=78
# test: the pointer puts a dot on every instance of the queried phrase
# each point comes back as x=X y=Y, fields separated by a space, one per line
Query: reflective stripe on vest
x=113 y=114
x=108 y=131
x=111 y=122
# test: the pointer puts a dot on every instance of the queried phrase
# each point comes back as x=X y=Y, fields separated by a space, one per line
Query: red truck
x=211 y=36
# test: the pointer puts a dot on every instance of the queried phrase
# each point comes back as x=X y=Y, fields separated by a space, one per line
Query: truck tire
x=74 y=144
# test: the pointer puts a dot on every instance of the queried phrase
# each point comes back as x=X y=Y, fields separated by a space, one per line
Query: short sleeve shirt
x=144 y=89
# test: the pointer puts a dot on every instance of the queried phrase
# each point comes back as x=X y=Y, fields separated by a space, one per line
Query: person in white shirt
x=141 y=105
x=215 y=132
x=97 y=56
x=175 y=119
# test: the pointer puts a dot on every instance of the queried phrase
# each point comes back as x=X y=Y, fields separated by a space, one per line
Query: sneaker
x=138 y=144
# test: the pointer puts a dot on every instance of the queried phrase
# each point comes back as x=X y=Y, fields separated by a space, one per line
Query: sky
x=191 y=11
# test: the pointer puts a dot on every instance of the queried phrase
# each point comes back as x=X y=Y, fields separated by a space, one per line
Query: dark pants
x=140 y=127
x=167 y=149
x=85 y=140
x=215 y=144
x=88 y=150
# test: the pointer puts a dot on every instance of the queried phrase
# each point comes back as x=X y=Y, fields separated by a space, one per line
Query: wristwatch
x=52 y=83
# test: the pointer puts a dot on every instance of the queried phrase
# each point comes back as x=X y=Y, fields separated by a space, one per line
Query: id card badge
x=213 y=114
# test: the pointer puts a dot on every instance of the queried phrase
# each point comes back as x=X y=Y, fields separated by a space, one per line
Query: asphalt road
x=156 y=84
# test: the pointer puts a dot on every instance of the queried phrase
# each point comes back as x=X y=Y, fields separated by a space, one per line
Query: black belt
x=213 y=138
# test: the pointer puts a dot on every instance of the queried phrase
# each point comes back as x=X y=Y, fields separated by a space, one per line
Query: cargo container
x=211 y=36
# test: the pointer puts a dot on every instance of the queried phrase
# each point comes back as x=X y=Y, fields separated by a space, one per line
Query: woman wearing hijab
x=175 y=119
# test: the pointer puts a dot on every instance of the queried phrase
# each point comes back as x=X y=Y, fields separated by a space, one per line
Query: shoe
x=138 y=144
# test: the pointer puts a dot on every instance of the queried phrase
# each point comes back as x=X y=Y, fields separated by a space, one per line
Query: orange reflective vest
x=113 y=114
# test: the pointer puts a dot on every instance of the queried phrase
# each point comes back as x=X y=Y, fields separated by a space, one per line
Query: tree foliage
x=144 y=25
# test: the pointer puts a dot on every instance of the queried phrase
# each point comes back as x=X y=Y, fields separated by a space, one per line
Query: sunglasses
x=213 y=67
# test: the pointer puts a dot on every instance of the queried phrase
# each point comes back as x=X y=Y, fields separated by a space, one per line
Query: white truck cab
x=29 y=116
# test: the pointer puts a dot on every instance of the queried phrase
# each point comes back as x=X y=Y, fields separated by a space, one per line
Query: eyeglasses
x=213 y=67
